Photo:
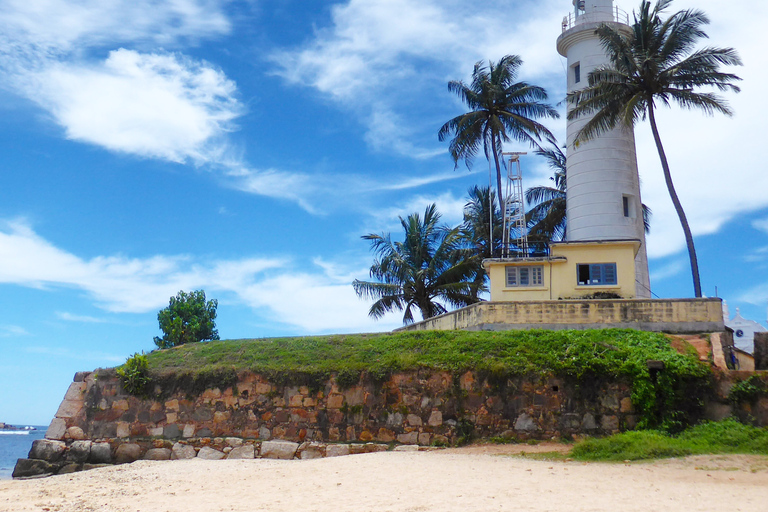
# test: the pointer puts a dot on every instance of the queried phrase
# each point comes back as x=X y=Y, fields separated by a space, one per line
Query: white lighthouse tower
x=603 y=187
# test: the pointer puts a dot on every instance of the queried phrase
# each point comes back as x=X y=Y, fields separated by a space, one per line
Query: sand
x=485 y=478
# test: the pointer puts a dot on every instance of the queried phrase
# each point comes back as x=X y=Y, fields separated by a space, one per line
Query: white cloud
x=757 y=255
x=382 y=56
x=670 y=270
x=449 y=206
x=154 y=105
x=318 y=297
x=761 y=224
x=69 y=317
x=63 y=25
x=8 y=331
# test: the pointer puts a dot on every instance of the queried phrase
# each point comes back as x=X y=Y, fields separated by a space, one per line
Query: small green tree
x=187 y=319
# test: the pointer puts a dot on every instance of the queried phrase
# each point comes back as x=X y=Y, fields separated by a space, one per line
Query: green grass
x=584 y=357
x=610 y=353
x=724 y=437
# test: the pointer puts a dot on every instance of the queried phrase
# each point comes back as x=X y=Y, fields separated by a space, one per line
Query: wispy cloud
x=74 y=354
x=760 y=224
x=69 y=317
x=313 y=298
x=12 y=331
x=669 y=270
x=377 y=56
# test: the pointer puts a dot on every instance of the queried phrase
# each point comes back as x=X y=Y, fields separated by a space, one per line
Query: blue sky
x=244 y=147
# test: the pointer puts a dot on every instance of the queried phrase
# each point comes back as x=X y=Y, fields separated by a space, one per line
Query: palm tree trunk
x=498 y=184
x=676 y=203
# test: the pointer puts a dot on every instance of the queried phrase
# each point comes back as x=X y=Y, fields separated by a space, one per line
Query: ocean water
x=16 y=446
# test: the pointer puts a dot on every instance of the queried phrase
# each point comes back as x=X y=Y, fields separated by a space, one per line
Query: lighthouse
x=603 y=186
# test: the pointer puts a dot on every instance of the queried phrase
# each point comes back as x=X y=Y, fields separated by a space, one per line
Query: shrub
x=187 y=319
x=134 y=374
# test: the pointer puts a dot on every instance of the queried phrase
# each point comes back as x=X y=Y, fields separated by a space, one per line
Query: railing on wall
x=600 y=15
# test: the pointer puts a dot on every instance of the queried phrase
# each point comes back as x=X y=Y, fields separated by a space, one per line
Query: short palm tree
x=655 y=64
x=476 y=228
x=500 y=110
x=431 y=266
x=546 y=219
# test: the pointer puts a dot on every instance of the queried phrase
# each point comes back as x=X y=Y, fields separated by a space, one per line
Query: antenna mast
x=515 y=232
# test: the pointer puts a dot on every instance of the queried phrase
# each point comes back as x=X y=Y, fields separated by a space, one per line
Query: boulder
x=284 y=450
x=79 y=451
x=127 y=452
x=242 y=452
x=172 y=431
x=56 y=429
x=208 y=453
x=101 y=453
x=525 y=422
x=158 y=454
x=72 y=467
x=182 y=451
x=47 y=450
x=336 y=450
x=75 y=433
x=26 y=468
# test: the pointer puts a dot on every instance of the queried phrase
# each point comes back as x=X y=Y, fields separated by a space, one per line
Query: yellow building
x=573 y=270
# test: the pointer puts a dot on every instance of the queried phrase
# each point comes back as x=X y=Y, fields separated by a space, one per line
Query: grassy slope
x=611 y=352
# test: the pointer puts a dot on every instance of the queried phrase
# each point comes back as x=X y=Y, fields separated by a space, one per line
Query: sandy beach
x=481 y=478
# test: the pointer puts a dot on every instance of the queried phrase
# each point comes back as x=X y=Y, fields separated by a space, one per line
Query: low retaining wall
x=660 y=315
x=98 y=423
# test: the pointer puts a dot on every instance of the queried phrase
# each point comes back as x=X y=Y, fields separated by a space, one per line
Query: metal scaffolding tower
x=515 y=244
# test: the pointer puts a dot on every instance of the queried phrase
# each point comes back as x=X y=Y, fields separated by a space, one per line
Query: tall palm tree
x=430 y=266
x=500 y=110
x=655 y=64
x=547 y=218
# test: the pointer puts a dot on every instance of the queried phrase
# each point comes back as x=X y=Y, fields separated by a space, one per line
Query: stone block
x=242 y=452
x=355 y=395
x=375 y=447
x=311 y=453
x=335 y=401
x=414 y=421
x=406 y=448
x=72 y=467
x=424 y=438
x=385 y=435
x=101 y=453
x=75 y=391
x=610 y=423
x=75 y=433
x=526 y=423
x=69 y=408
x=171 y=431
x=295 y=401
x=123 y=429
x=234 y=442
x=588 y=422
x=182 y=451
x=127 y=452
x=189 y=430
x=279 y=449
x=208 y=453
x=158 y=454
x=81 y=376
x=56 y=429
x=79 y=451
x=26 y=468
x=394 y=419
x=435 y=419
x=336 y=450
x=626 y=405
x=408 y=438
x=264 y=433
x=47 y=450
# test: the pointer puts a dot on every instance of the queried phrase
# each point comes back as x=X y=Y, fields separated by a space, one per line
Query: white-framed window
x=590 y=274
x=577 y=73
x=525 y=276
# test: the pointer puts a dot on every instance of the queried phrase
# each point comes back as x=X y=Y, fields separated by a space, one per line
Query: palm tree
x=500 y=110
x=430 y=265
x=655 y=63
x=476 y=228
x=547 y=217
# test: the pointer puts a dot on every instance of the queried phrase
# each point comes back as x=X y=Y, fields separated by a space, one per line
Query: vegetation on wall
x=134 y=374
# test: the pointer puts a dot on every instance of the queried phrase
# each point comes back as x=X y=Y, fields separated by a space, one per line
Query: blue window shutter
x=609 y=273
x=595 y=274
